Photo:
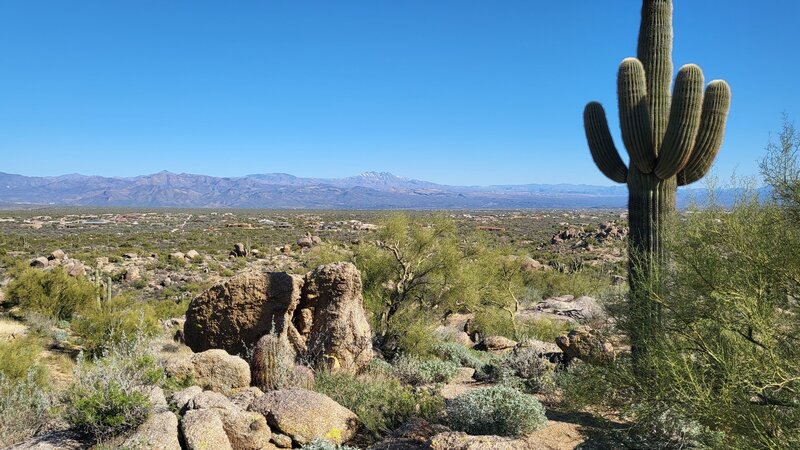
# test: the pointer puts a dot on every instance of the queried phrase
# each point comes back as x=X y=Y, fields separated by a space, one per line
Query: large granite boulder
x=235 y=314
x=218 y=371
x=331 y=320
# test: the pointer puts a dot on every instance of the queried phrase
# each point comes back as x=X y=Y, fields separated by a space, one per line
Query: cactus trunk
x=672 y=139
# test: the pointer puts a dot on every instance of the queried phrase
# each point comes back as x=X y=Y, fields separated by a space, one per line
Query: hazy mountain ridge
x=369 y=190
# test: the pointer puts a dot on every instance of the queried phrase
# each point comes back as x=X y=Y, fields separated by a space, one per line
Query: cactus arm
x=601 y=144
x=684 y=122
x=716 y=103
x=634 y=116
x=655 y=53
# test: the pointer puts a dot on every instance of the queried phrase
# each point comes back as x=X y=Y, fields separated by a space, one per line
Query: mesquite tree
x=672 y=139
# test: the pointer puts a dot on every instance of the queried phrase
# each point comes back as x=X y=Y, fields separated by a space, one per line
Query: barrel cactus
x=273 y=365
x=672 y=138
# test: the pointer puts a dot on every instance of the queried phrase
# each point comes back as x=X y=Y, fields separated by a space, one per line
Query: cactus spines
x=273 y=365
x=672 y=138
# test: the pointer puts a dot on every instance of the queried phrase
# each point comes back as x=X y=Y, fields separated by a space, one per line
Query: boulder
x=182 y=398
x=463 y=441
x=496 y=344
x=57 y=254
x=581 y=309
x=132 y=274
x=159 y=431
x=218 y=371
x=245 y=397
x=192 y=254
x=57 y=440
x=306 y=415
x=305 y=242
x=74 y=268
x=281 y=440
x=587 y=345
x=202 y=429
x=210 y=400
x=413 y=435
x=177 y=256
x=233 y=315
x=239 y=250
x=339 y=334
x=40 y=262
x=246 y=430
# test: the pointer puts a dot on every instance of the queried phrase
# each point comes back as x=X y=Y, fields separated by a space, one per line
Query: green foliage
x=528 y=365
x=381 y=402
x=51 y=293
x=724 y=354
x=19 y=360
x=26 y=406
x=413 y=269
x=109 y=394
x=319 y=444
x=105 y=324
x=416 y=371
x=458 y=354
x=781 y=169
x=497 y=410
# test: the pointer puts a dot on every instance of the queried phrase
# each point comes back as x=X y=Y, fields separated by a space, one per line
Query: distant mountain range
x=369 y=190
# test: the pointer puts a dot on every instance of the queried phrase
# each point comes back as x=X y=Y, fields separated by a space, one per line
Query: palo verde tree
x=672 y=139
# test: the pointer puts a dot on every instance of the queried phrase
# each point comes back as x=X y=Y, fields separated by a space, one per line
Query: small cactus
x=672 y=138
x=273 y=365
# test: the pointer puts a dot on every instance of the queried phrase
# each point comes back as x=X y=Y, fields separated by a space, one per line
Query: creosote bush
x=380 y=401
x=416 y=371
x=110 y=393
x=51 y=293
x=497 y=410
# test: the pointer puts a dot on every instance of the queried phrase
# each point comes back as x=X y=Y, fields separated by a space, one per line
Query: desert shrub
x=542 y=329
x=551 y=283
x=109 y=394
x=51 y=293
x=497 y=410
x=723 y=354
x=319 y=444
x=416 y=371
x=381 y=402
x=524 y=363
x=19 y=360
x=458 y=354
x=105 y=324
x=26 y=407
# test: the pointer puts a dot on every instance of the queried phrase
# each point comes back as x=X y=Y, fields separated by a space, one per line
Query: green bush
x=526 y=369
x=106 y=324
x=51 y=293
x=319 y=444
x=416 y=371
x=19 y=360
x=458 y=354
x=109 y=394
x=381 y=402
x=26 y=407
x=497 y=410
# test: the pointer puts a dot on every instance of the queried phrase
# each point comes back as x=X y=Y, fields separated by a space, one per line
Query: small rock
x=177 y=256
x=182 y=398
x=306 y=415
x=281 y=440
x=57 y=254
x=496 y=344
x=219 y=371
x=210 y=400
x=203 y=430
x=246 y=430
x=192 y=254
x=40 y=262
x=587 y=345
x=159 y=431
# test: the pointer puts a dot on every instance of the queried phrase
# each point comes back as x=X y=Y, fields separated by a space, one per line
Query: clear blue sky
x=458 y=92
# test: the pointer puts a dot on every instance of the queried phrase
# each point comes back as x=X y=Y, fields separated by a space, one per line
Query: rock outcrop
x=305 y=416
x=338 y=335
x=321 y=315
x=233 y=315
x=219 y=371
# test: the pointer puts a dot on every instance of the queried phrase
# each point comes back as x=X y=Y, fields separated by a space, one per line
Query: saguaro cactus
x=671 y=138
